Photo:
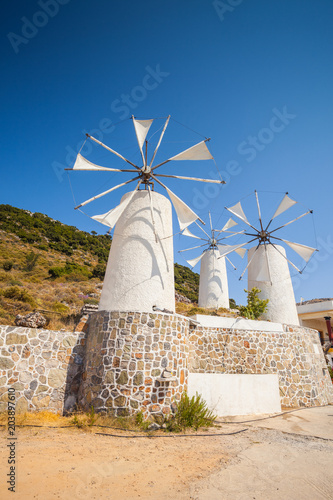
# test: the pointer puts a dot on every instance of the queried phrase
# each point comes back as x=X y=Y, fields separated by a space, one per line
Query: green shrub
x=7 y=265
x=99 y=271
x=255 y=306
x=31 y=261
x=191 y=412
x=16 y=293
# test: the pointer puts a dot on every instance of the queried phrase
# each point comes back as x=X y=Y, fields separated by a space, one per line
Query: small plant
x=255 y=306
x=191 y=412
x=92 y=417
x=7 y=265
x=141 y=422
x=31 y=261
x=78 y=422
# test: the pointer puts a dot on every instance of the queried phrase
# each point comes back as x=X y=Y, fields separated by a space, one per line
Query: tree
x=255 y=306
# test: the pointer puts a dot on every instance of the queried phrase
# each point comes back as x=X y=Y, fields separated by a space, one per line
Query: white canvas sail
x=82 y=163
x=238 y=211
x=226 y=249
x=193 y=262
x=141 y=130
x=197 y=152
x=187 y=232
x=229 y=224
x=184 y=213
x=284 y=205
x=304 y=251
x=110 y=218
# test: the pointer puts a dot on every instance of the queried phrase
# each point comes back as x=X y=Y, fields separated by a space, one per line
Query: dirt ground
x=281 y=458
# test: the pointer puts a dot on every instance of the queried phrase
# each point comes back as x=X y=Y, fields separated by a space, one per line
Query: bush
x=15 y=293
x=7 y=265
x=191 y=412
x=99 y=271
x=31 y=261
x=255 y=306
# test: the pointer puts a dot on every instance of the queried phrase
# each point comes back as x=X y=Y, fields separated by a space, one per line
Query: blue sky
x=256 y=76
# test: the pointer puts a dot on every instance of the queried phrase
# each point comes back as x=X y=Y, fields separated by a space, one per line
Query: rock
x=6 y=363
x=181 y=298
x=56 y=377
x=153 y=426
x=16 y=338
x=31 y=320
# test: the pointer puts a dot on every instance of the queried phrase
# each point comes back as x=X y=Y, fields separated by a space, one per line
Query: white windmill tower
x=268 y=263
x=140 y=269
x=213 y=283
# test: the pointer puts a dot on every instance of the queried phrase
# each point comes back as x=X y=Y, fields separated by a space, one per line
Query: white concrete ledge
x=237 y=394
x=237 y=323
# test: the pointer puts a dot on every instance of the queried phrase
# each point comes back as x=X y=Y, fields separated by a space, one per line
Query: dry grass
x=59 y=301
x=192 y=309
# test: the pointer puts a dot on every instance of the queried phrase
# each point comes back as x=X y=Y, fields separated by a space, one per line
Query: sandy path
x=270 y=461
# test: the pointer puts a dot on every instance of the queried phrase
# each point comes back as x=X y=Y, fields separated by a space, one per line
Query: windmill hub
x=213 y=243
x=146 y=169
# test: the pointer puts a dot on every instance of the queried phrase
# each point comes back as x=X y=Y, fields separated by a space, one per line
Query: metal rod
x=112 y=151
x=290 y=222
x=190 y=178
x=259 y=213
x=106 y=192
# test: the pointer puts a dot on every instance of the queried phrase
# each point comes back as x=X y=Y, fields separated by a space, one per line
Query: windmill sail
x=141 y=130
x=197 y=152
x=185 y=214
x=226 y=249
x=193 y=262
x=238 y=211
x=187 y=232
x=284 y=205
x=304 y=251
x=229 y=224
x=110 y=218
x=82 y=163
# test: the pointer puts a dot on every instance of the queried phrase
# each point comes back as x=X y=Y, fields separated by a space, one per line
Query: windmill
x=140 y=272
x=213 y=283
x=267 y=264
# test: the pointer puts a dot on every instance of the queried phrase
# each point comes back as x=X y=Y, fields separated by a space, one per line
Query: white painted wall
x=237 y=394
x=213 y=285
x=282 y=304
x=140 y=271
x=237 y=323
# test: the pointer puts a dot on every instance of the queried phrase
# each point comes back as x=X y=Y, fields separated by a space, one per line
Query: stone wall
x=44 y=367
x=295 y=354
x=134 y=361
x=140 y=361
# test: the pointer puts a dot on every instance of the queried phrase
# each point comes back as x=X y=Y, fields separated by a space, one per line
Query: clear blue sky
x=223 y=69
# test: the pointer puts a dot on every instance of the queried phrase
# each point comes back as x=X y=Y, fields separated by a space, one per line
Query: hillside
x=54 y=268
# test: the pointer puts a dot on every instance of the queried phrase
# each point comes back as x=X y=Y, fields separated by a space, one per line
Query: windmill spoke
x=202 y=229
x=160 y=139
x=286 y=258
x=187 y=232
x=231 y=263
x=190 y=178
x=241 y=276
x=286 y=203
x=230 y=235
x=111 y=218
x=185 y=214
x=192 y=248
x=259 y=213
x=112 y=151
x=210 y=222
x=241 y=218
x=197 y=152
x=267 y=262
x=152 y=213
x=106 y=192
x=290 y=222
x=193 y=262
